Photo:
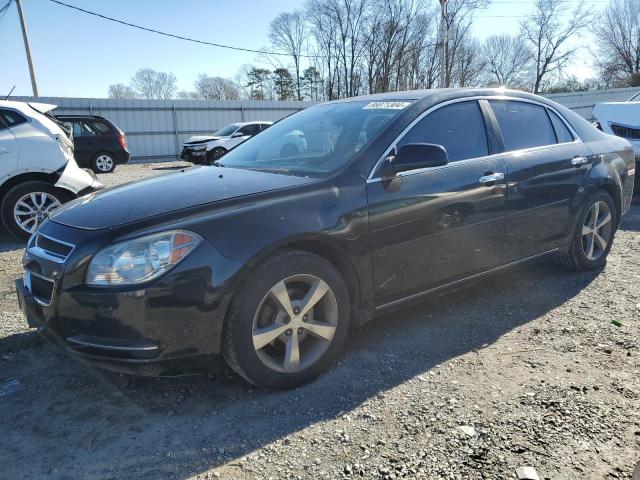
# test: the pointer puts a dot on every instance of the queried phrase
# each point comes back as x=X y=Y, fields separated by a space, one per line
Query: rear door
x=436 y=225
x=546 y=164
x=9 y=154
x=86 y=140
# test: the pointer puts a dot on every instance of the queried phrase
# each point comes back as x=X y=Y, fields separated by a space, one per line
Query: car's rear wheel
x=26 y=205
x=288 y=322
x=103 y=163
x=594 y=233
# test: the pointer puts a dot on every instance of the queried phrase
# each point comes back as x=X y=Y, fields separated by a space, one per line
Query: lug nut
x=296 y=310
x=288 y=332
x=304 y=317
x=286 y=319
x=300 y=331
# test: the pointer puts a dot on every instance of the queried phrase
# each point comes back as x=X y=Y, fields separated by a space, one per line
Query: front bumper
x=169 y=327
x=197 y=156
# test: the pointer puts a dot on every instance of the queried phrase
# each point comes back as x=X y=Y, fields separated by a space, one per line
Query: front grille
x=50 y=248
x=41 y=288
x=624 y=131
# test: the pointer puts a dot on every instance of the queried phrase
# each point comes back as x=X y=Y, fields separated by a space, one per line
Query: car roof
x=90 y=117
x=442 y=94
x=242 y=124
x=27 y=108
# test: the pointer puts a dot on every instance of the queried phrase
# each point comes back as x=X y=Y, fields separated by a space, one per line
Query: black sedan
x=269 y=260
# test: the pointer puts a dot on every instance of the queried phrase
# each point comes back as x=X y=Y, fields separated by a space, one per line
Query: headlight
x=141 y=259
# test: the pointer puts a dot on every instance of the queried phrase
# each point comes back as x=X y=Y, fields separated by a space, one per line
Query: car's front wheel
x=26 y=205
x=288 y=322
x=215 y=154
x=594 y=233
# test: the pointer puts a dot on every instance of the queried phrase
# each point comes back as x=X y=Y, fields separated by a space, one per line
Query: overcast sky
x=78 y=55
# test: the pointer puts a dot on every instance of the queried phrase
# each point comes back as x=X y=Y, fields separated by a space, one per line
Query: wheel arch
x=613 y=191
x=326 y=250
x=8 y=184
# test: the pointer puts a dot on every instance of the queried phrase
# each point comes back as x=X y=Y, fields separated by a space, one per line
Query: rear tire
x=103 y=163
x=28 y=204
x=589 y=251
x=273 y=350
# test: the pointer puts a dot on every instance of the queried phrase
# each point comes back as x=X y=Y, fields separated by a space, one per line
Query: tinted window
x=458 y=127
x=83 y=129
x=523 y=125
x=77 y=130
x=250 y=129
x=562 y=132
x=101 y=127
x=11 y=118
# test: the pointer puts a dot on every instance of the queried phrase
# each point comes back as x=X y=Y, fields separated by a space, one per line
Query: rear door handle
x=4 y=150
x=491 y=178
x=579 y=161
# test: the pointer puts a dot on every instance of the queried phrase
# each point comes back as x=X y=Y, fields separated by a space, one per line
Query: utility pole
x=443 y=43
x=25 y=36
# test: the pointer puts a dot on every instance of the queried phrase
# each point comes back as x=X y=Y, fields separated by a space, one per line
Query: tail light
x=123 y=141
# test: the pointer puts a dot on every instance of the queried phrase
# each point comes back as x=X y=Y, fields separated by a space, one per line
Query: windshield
x=228 y=130
x=316 y=141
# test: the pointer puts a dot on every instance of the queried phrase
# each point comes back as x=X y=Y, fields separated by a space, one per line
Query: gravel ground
x=525 y=368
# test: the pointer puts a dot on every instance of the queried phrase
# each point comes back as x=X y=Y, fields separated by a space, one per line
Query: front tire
x=26 y=205
x=288 y=322
x=216 y=154
x=594 y=233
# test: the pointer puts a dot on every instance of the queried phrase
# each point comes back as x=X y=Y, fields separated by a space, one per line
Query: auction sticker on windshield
x=386 y=105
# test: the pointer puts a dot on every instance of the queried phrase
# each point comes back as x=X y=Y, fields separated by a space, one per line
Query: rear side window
x=83 y=129
x=562 y=132
x=458 y=127
x=523 y=125
x=11 y=118
x=101 y=127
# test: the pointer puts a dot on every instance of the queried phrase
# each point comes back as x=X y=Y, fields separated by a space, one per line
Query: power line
x=179 y=37
x=4 y=8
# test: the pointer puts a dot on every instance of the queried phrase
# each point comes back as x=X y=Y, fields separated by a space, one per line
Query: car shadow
x=9 y=243
x=87 y=423
x=631 y=221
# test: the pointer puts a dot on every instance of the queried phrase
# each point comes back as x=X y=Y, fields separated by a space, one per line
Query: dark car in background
x=98 y=143
x=271 y=259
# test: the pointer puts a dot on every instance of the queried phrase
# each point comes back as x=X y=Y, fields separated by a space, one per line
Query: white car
x=37 y=169
x=206 y=149
x=623 y=120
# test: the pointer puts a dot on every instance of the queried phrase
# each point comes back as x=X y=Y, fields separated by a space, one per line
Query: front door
x=433 y=226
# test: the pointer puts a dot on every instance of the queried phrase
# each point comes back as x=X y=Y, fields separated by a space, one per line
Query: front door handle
x=491 y=178
x=4 y=150
x=579 y=161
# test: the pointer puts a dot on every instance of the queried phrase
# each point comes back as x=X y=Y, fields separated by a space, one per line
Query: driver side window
x=250 y=129
x=458 y=127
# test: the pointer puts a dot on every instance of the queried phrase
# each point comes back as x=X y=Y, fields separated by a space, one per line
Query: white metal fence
x=156 y=128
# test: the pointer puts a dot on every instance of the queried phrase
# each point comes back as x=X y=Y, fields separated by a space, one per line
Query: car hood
x=623 y=113
x=199 y=139
x=167 y=193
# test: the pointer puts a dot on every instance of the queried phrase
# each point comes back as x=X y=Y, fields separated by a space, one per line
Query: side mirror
x=237 y=134
x=419 y=155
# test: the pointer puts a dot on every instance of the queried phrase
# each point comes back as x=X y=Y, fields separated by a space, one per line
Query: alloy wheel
x=31 y=210
x=295 y=323
x=104 y=163
x=596 y=230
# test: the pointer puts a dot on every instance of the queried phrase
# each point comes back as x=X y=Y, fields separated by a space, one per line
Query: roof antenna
x=10 y=92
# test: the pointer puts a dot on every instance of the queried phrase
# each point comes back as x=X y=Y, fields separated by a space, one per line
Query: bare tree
x=120 y=91
x=215 y=88
x=507 y=61
x=151 y=84
x=468 y=68
x=288 y=32
x=548 y=36
x=618 y=34
x=457 y=19
x=187 y=95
